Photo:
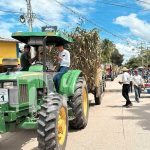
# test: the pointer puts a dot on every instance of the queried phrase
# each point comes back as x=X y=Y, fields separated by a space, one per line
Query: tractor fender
x=68 y=82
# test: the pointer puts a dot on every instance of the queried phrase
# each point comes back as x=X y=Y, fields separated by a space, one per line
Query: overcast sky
x=128 y=19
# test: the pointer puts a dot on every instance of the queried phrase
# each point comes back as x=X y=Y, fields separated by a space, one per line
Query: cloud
x=127 y=50
x=5 y=28
x=48 y=10
x=138 y=27
x=144 y=3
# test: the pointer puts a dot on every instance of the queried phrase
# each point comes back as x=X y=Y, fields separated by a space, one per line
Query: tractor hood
x=21 y=75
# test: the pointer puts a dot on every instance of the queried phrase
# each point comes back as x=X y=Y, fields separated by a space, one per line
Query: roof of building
x=8 y=40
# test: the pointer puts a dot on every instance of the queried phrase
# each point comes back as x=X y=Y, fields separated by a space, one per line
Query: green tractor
x=28 y=100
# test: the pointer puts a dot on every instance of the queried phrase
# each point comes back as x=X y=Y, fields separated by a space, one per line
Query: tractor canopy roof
x=36 y=38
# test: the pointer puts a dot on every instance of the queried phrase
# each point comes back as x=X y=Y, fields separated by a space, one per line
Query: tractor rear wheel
x=80 y=105
x=53 y=123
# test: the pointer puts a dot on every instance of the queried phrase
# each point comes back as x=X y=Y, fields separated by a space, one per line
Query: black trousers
x=131 y=85
x=125 y=93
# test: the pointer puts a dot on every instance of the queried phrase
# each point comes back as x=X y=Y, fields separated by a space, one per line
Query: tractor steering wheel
x=40 y=63
x=37 y=63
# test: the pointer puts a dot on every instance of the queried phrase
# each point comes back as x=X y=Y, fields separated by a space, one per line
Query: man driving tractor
x=26 y=59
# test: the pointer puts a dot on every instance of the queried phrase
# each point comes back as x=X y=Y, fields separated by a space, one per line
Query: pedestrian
x=63 y=59
x=138 y=83
x=26 y=60
x=126 y=87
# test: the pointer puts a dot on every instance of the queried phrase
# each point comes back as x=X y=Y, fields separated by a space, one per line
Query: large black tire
x=97 y=95
x=80 y=105
x=48 y=128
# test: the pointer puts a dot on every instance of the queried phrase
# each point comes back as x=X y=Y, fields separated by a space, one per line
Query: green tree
x=134 y=62
x=107 y=47
x=117 y=58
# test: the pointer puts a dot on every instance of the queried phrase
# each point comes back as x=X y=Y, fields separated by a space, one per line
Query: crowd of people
x=131 y=79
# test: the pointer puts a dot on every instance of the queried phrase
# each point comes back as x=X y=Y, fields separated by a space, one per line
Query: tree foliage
x=107 y=47
x=110 y=54
x=141 y=60
x=116 y=58
x=133 y=62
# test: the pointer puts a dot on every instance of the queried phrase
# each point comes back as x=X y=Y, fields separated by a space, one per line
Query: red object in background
x=147 y=85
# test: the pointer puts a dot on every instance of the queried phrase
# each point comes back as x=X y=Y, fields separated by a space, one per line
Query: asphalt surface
x=110 y=126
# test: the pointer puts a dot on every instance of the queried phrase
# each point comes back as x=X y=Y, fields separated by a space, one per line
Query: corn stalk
x=86 y=54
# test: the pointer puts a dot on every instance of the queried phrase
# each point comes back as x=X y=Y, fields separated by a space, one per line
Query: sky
x=125 y=22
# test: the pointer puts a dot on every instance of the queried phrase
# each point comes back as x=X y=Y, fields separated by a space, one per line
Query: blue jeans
x=137 y=90
x=61 y=70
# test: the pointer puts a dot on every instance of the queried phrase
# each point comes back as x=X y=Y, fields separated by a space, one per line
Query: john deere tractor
x=28 y=99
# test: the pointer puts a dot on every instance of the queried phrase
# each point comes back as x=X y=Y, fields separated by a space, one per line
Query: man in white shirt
x=63 y=59
x=126 y=87
x=137 y=82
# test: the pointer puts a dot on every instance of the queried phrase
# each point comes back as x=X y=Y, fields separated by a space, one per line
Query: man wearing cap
x=126 y=87
x=25 y=59
x=63 y=59
x=137 y=82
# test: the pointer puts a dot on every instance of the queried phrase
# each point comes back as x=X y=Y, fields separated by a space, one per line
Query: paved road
x=110 y=126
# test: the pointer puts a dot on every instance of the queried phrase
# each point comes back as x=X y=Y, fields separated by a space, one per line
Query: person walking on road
x=138 y=83
x=126 y=87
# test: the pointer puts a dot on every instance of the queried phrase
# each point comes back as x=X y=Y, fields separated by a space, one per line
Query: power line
x=116 y=4
x=121 y=5
x=42 y=20
x=93 y=22
x=82 y=17
x=9 y=11
x=15 y=12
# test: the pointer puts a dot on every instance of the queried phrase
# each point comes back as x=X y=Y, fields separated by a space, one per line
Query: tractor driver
x=25 y=59
x=63 y=59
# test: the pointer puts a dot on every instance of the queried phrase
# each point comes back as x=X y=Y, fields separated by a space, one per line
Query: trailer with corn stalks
x=86 y=56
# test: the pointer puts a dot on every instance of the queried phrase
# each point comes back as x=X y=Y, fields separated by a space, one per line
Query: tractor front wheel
x=80 y=105
x=53 y=123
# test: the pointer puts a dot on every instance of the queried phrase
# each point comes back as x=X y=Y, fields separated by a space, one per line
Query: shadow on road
x=113 y=90
x=115 y=106
x=140 y=113
x=145 y=96
x=17 y=140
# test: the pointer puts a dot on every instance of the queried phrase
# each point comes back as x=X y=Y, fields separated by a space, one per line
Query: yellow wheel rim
x=85 y=101
x=62 y=126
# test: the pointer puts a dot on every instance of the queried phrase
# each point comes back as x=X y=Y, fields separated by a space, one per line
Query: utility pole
x=29 y=15
x=141 y=53
x=29 y=19
x=148 y=48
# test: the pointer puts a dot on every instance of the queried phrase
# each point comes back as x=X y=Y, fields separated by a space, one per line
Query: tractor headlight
x=9 y=85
